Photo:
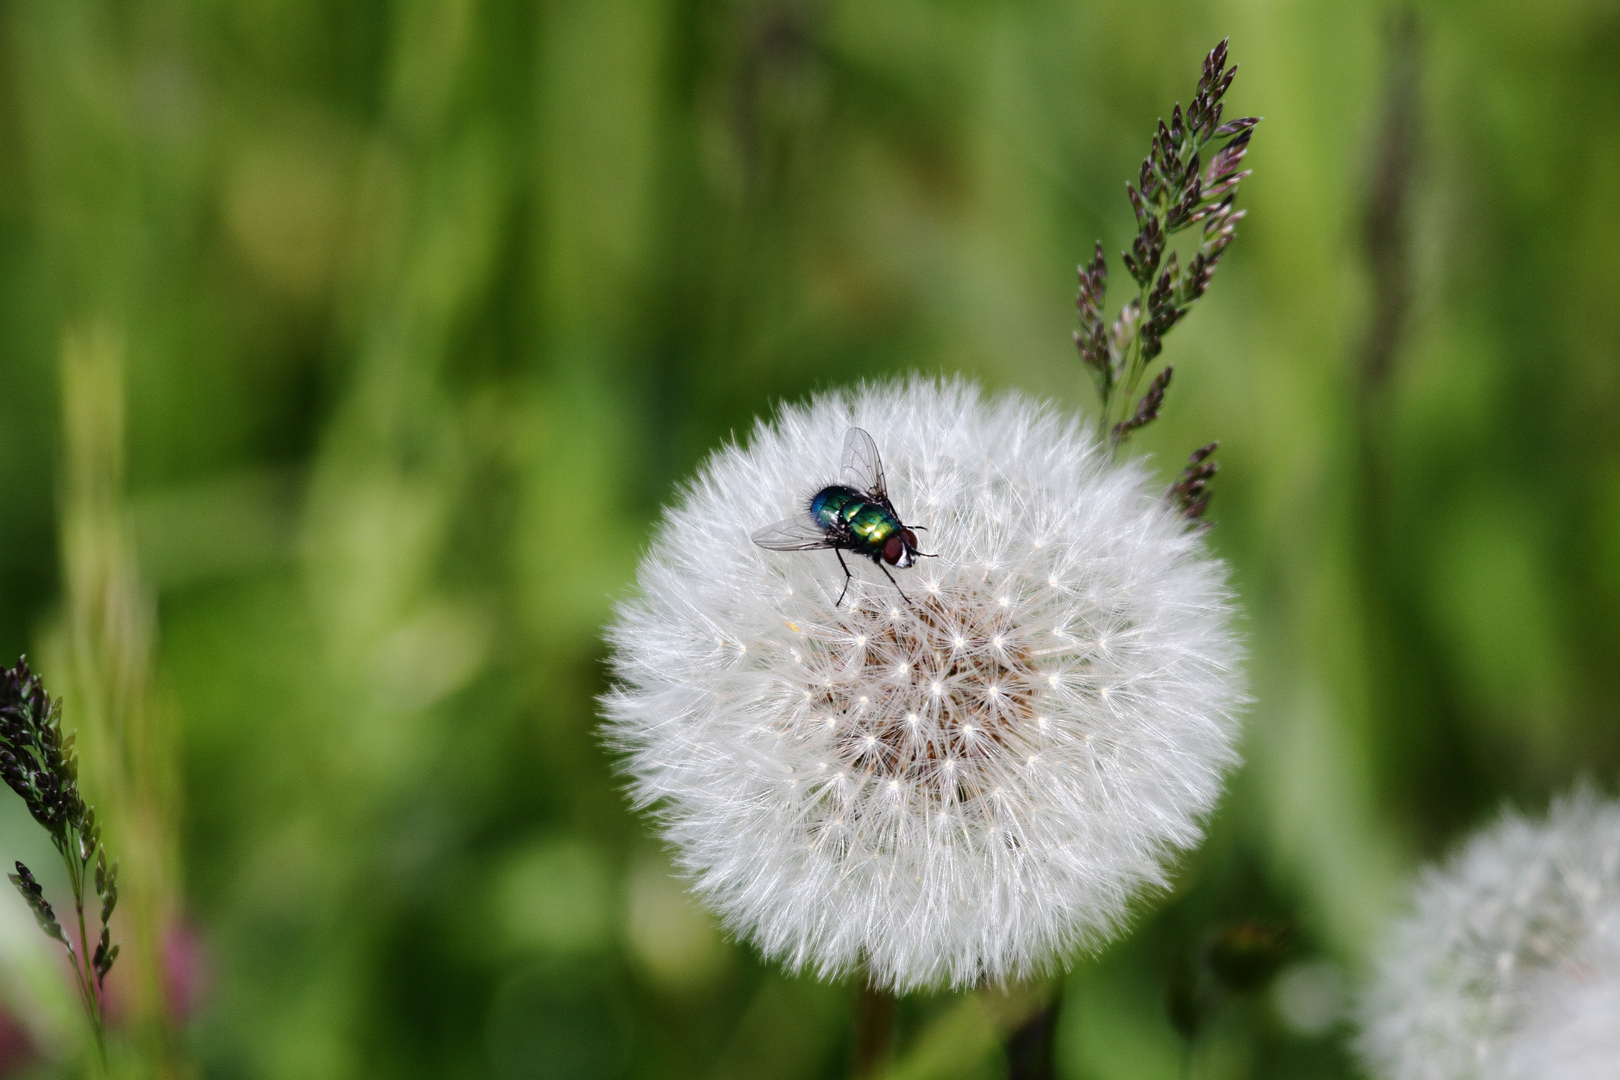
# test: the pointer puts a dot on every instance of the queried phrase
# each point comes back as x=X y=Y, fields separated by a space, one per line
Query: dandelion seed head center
x=942 y=701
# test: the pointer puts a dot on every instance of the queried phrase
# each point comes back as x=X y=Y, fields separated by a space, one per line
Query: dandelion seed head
x=1507 y=967
x=934 y=711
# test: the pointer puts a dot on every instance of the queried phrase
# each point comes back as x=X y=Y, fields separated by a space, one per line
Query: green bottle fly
x=856 y=516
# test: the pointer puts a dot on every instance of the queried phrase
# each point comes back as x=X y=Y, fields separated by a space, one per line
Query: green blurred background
x=416 y=313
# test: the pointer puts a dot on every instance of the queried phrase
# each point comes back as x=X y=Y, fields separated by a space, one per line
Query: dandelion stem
x=874 y=1028
x=1031 y=1045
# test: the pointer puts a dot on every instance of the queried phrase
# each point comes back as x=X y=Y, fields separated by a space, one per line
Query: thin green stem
x=78 y=970
x=1134 y=364
x=84 y=975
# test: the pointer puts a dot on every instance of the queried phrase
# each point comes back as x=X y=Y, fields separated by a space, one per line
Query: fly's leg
x=893 y=582
x=847 y=576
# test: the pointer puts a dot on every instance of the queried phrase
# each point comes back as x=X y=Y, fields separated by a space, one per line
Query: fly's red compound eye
x=910 y=538
x=893 y=548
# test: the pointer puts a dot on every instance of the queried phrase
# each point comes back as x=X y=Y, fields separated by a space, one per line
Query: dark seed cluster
x=1174 y=191
x=41 y=907
x=1147 y=410
x=42 y=767
x=35 y=760
x=1191 y=493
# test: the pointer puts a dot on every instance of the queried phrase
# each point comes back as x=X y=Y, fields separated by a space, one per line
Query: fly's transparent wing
x=793 y=534
x=863 y=469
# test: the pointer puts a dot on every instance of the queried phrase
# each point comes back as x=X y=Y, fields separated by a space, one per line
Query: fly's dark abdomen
x=842 y=509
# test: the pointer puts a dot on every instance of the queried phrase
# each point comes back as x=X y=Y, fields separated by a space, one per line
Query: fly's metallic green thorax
x=871 y=523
